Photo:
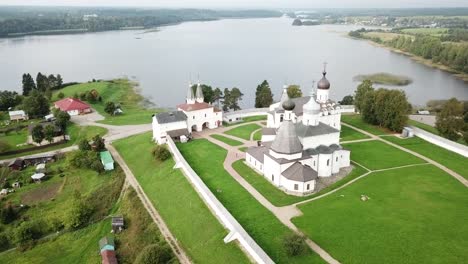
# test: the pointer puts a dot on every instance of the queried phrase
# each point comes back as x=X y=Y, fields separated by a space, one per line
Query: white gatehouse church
x=301 y=142
x=193 y=115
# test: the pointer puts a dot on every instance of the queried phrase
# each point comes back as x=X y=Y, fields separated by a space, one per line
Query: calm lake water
x=223 y=53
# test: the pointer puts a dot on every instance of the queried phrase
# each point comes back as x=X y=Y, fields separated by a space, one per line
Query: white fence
x=347 y=109
x=238 y=115
x=236 y=230
x=441 y=142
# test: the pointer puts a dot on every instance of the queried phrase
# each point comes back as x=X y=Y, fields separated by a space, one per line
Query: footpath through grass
x=244 y=131
x=121 y=92
x=260 y=223
x=186 y=215
x=376 y=155
x=414 y=215
x=229 y=141
x=449 y=159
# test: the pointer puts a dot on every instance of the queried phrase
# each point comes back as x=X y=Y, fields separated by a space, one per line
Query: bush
x=154 y=254
x=8 y=214
x=4 y=146
x=161 y=153
x=84 y=145
x=26 y=233
x=60 y=95
x=4 y=241
x=86 y=160
x=79 y=214
x=294 y=244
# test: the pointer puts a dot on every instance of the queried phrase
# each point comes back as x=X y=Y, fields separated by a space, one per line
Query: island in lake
x=384 y=78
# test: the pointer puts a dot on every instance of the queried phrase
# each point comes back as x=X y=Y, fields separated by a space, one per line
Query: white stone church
x=301 y=142
x=193 y=115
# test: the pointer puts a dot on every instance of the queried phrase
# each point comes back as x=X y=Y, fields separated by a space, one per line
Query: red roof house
x=108 y=257
x=73 y=106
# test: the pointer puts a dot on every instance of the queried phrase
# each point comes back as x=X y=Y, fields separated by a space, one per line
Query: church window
x=281 y=118
x=296 y=187
x=193 y=117
x=336 y=158
x=205 y=115
x=308 y=186
x=260 y=167
x=314 y=163
x=272 y=177
x=255 y=163
x=328 y=162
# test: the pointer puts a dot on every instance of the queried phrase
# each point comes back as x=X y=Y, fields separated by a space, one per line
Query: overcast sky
x=248 y=3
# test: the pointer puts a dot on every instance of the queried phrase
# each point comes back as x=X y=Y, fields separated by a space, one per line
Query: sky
x=248 y=3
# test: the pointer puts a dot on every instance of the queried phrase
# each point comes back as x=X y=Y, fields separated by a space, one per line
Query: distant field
x=384 y=36
x=120 y=92
x=414 y=215
x=426 y=31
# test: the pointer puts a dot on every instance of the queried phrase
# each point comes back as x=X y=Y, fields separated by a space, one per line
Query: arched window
x=308 y=186
x=336 y=158
x=272 y=177
x=281 y=118
x=328 y=162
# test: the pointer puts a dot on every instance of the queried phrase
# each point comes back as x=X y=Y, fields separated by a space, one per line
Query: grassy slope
x=356 y=121
x=229 y=141
x=414 y=215
x=445 y=157
x=430 y=129
x=376 y=155
x=348 y=134
x=260 y=223
x=244 y=131
x=118 y=91
x=247 y=120
x=188 y=218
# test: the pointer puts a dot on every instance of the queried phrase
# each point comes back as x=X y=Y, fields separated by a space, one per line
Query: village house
x=106 y=160
x=107 y=250
x=73 y=106
x=193 y=115
x=18 y=115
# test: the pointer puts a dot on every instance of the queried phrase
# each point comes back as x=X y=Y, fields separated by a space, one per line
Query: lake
x=225 y=53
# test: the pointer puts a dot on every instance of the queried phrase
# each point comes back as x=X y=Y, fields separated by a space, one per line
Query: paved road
x=172 y=241
x=425 y=119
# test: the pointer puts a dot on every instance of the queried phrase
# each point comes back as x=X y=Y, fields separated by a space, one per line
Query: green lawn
x=186 y=215
x=449 y=159
x=244 y=131
x=348 y=134
x=246 y=120
x=258 y=135
x=243 y=149
x=260 y=223
x=15 y=138
x=120 y=91
x=229 y=141
x=75 y=132
x=376 y=155
x=414 y=215
x=278 y=197
x=356 y=121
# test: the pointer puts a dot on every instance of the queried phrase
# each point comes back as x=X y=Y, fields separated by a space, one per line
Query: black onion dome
x=289 y=105
x=323 y=84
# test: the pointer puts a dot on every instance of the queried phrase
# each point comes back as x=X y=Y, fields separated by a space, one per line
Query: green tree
x=28 y=84
x=294 y=91
x=8 y=214
x=36 y=105
x=226 y=100
x=42 y=82
x=59 y=81
x=60 y=95
x=263 y=95
x=84 y=145
x=98 y=143
x=9 y=99
x=347 y=100
x=79 y=213
x=217 y=96
x=90 y=97
x=361 y=93
x=235 y=97
x=37 y=134
x=62 y=120
x=294 y=244
x=25 y=233
x=449 y=121
x=155 y=254
x=49 y=133
x=110 y=108
x=161 y=153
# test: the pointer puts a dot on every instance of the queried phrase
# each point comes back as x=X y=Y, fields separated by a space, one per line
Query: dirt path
x=172 y=241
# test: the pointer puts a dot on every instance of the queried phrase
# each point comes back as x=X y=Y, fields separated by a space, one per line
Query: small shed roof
x=106 y=157
x=17 y=112
x=117 y=221
x=106 y=241
x=38 y=176
x=40 y=166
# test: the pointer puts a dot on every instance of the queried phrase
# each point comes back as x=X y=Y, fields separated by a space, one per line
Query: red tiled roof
x=108 y=257
x=69 y=104
x=194 y=107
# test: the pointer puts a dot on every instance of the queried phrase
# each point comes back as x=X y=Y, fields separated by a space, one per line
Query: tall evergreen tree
x=42 y=82
x=36 y=105
x=449 y=121
x=28 y=84
x=263 y=95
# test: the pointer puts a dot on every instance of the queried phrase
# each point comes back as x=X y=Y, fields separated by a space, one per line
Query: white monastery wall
x=441 y=142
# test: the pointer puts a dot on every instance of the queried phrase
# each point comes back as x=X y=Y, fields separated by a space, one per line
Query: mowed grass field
x=260 y=223
x=229 y=141
x=244 y=131
x=377 y=155
x=449 y=159
x=414 y=215
x=186 y=215
x=356 y=121
x=348 y=134
x=120 y=91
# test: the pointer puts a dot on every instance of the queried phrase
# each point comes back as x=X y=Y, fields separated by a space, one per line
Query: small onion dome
x=312 y=106
x=289 y=105
x=323 y=84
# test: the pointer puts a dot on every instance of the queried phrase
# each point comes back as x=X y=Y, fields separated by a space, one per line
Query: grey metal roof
x=170 y=117
x=310 y=131
x=178 y=132
x=300 y=173
x=322 y=149
x=190 y=95
x=310 y=152
x=335 y=147
x=268 y=131
x=257 y=152
x=286 y=140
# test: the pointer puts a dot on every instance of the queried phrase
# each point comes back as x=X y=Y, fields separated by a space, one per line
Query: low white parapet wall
x=347 y=109
x=238 y=115
x=228 y=221
x=441 y=142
